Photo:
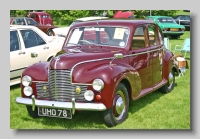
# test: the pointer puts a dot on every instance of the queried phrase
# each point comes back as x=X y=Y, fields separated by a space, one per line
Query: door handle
x=21 y=53
x=46 y=47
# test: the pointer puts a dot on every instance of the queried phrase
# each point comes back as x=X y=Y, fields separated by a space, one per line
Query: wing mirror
x=117 y=56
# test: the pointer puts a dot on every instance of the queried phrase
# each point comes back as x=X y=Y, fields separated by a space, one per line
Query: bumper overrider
x=60 y=105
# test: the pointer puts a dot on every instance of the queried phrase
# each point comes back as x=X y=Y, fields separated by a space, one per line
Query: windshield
x=113 y=36
x=166 y=20
x=30 y=21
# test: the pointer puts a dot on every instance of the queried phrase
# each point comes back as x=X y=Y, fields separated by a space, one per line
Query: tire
x=50 y=32
x=33 y=114
x=116 y=115
x=169 y=86
x=175 y=37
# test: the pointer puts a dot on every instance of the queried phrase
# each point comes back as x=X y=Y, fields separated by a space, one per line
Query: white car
x=62 y=31
x=25 y=40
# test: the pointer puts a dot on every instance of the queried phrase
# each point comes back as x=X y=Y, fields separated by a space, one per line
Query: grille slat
x=59 y=87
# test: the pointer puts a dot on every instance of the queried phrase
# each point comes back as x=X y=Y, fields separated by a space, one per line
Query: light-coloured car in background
x=62 y=31
x=25 y=40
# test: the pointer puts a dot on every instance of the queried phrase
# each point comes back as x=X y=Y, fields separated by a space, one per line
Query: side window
x=29 y=38
x=138 y=38
x=104 y=37
x=14 y=41
x=153 y=40
x=39 y=39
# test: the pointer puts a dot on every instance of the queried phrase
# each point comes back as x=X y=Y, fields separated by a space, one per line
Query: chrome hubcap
x=119 y=105
x=171 y=79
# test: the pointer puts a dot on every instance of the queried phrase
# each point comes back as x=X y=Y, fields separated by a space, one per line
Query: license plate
x=49 y=112
x=173 y=29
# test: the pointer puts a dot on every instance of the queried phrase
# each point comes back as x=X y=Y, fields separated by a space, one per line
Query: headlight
x=28 y=91
x=98 y=84
x=89 y=95
x=26 y=80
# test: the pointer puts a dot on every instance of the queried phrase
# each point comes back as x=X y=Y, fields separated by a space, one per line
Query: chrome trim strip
x=62 y=105
x=94 y=60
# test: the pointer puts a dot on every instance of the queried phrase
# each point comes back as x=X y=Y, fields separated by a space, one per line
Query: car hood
x=66 y=59
x=61 y=31
x=170 y=25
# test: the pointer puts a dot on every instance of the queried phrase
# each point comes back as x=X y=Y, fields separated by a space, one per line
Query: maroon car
x=42 y=17
x=121 y=61
x=29 y=21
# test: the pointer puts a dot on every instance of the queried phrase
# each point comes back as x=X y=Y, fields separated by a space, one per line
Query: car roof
x=22 y=27
x=158 y=16
x=116 y=22
x=90 y=18
x=40 y=13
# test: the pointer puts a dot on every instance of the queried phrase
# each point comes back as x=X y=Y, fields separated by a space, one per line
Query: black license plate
x=49 y=112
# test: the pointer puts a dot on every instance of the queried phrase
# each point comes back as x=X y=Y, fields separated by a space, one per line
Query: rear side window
x=14 y=41
x=138 y=40
x=31 y=38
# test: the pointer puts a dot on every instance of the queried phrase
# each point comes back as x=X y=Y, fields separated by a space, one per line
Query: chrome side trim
x=62 y=105
x=95 y=60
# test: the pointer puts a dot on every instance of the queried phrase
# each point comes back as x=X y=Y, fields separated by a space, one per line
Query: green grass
x=154 y=111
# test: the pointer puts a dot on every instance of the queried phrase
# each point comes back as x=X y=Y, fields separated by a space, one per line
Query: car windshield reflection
x=112 y=36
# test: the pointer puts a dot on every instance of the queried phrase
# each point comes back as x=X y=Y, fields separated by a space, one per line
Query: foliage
x=66 y=17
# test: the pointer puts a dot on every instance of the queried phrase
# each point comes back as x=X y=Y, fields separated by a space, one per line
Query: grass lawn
x=154 y=111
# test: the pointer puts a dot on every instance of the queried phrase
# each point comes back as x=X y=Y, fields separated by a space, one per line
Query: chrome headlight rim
x=26 y=80
x=28 y=91
x=98 y=84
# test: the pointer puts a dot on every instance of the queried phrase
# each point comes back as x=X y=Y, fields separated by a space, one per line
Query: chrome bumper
x=60 y=105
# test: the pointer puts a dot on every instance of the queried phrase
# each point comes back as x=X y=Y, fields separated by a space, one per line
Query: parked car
x=168 y=26
x=41 y=17
x=27 y=39
x=102 y=66
x=126 y=14
x=29 y=21
x=183 y=20
x=62 y=31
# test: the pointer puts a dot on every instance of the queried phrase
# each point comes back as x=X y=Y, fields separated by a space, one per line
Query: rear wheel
x=169 y=86
x=119 y=111
x=33 y=114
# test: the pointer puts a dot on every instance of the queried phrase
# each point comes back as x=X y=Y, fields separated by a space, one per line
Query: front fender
x=37 y=71
x=110 y=74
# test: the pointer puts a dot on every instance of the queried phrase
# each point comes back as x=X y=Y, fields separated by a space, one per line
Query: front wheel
x=169 y=86
x=119 y=111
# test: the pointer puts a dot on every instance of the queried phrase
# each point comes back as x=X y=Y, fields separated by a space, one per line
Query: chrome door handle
x=46 y=47
x=21 y=53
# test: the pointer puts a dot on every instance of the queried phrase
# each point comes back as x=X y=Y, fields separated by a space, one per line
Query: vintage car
x=102 y=66
x=168 y=26
x=29 y=21
x=62 y=31
x=183 y=20
x=41 y=17
x=27 y=39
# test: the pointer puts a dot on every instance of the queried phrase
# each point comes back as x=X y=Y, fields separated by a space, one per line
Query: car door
x=35 y=43
x=17 y=55
x=156 y=52
x=141 y=61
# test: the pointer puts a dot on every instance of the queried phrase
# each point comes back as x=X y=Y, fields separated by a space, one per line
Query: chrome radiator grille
x=59 y=87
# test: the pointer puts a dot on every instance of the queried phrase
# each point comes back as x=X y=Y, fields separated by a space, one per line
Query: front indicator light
x=98 y=97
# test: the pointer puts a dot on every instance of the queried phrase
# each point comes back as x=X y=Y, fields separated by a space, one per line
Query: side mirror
x=118 y=56
x=33 y=55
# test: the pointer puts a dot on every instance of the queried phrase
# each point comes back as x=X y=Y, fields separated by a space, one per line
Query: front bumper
x=61 y=105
